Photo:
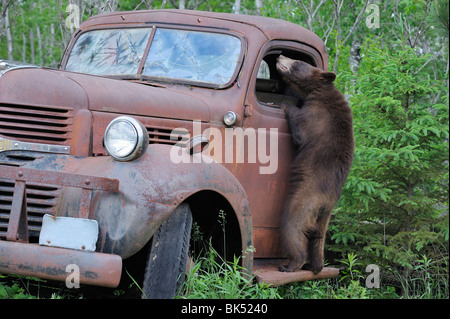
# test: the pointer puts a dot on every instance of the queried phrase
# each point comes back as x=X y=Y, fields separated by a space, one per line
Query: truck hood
x=38 y=86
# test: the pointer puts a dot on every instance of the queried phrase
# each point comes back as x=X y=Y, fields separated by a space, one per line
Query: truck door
x=267 y=181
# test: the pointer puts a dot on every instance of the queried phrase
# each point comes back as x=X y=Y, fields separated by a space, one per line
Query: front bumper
x=52 y=263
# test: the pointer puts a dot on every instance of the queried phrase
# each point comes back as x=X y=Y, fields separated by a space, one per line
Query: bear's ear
x=329 y=76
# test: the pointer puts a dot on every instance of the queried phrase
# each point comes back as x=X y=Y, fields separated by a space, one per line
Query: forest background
x=392 y=62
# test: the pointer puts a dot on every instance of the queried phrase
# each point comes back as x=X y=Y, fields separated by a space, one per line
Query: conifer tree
x=394 y=202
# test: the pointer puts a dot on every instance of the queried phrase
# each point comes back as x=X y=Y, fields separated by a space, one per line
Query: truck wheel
x=166 y=265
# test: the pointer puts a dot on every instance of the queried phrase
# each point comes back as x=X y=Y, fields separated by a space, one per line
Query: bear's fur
x=322 y=133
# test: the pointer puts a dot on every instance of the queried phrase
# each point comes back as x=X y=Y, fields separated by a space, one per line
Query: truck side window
x=269 y=87
x=264 y=71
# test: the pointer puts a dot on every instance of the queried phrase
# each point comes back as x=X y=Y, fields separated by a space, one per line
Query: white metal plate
x=69 y=232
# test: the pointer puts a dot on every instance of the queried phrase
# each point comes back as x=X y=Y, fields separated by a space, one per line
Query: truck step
x=269 y=274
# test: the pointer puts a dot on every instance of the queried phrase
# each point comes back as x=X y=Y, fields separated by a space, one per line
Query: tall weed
x=213 y=278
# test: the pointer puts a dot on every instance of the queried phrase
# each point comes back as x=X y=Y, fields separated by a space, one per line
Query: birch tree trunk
x=24 y=47
x=39 y=39
x=340 y=40
x=32 y=46
x=3 y=7
x=355 y=54
x=258 y=5
x=52 y=43
x=9 y=39
x=237 y=6
x=310 y=11
x=110 y=5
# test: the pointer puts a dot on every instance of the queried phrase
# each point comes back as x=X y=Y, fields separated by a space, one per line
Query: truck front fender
x=150 y=188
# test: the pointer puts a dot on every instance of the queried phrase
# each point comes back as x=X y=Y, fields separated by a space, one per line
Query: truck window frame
x=270 y=51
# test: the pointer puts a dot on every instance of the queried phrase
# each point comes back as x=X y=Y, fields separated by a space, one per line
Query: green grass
x=13 y=292
x=18 y=287
x=213 y=278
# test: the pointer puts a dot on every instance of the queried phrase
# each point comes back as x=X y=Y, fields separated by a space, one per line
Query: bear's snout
x=284 y=64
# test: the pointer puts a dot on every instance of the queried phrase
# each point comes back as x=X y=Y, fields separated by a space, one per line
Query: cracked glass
x=109 y=52
x=174 y=55
x=193 y=56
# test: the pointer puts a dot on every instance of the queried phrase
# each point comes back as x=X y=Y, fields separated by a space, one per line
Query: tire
x=166 y=265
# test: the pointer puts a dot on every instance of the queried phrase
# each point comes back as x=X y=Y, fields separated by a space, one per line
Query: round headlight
x=230 y=118
x=125 y=138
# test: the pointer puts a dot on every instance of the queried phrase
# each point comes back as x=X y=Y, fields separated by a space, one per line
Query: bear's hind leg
x=296 y=252
x=293 y=239
x=316 y=255
x=316 y=242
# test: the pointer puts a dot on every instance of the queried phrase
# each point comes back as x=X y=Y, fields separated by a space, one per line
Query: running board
x=268 y=273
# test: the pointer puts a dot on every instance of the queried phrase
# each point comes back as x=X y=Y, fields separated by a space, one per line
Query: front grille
x=41 y=199
x=36 y=124
x=161 y=135
x=17 y=158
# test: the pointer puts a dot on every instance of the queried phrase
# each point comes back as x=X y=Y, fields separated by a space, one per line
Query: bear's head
x=302 y=77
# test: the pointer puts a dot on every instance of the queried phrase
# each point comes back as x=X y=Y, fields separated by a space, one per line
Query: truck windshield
x=190 y=56
x=109 y=52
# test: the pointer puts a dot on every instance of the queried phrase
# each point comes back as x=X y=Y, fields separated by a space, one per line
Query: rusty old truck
x=157 y=126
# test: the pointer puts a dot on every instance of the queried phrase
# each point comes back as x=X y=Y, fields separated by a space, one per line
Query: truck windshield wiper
x=136 y=79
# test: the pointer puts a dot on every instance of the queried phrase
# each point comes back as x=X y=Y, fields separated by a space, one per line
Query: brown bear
x=322 y=133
